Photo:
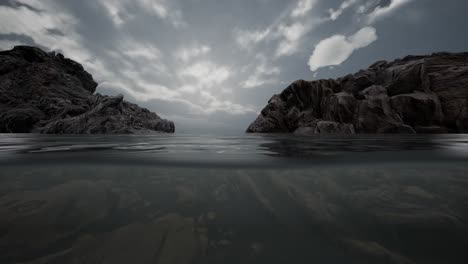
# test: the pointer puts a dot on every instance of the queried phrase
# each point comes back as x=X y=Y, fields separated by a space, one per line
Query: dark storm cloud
x=212 y=65
x=16 y=4
x=20 y=38
x=54 y=31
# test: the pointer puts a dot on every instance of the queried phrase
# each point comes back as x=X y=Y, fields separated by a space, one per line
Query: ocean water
x=237 y=199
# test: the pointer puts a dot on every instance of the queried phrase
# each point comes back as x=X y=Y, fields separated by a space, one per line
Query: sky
x=212 y=65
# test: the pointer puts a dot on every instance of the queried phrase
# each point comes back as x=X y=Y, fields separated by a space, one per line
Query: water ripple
x=240 y=148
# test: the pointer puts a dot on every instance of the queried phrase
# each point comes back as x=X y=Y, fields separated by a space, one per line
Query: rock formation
x=47 y=93
x=416 y=94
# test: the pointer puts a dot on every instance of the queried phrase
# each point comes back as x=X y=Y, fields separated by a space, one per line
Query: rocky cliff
x=416 y=94
x=47 y=93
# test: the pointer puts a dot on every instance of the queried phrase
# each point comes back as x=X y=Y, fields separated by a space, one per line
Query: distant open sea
x=234 y=199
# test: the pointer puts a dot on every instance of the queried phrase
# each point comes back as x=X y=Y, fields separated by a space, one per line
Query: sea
x=269 y=198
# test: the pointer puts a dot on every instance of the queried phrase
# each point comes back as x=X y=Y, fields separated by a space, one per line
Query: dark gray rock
x=329 y=127
x=418 y=108
x=416 y=94
x=341 y=107
x=44 y=92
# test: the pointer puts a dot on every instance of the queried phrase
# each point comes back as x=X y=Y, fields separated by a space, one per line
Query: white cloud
x=119 y=10
x=335 y=14
x=246 y=39
x=186 y=54
x=158 y=7
x=204 y=82
x=288 y=29
x=381 y=12
x=261 y=76
x=133 y=54
x=114 y=10
x=199 y=87
x=212 y=104
x=293 y=32
x=291 y=36
x=338 y=48
x=157 y=91
x=142 y=51
x=303 y=7
x=206 y=73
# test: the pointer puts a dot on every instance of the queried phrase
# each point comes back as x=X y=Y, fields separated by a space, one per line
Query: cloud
x=114 y=8
x=288 y=29
x=203 y=82
x=206 y=73
x=291 y=36
x=198 y=86
x=186 y=54
x=120 y=11
x=142 y=51
x=335 y=14
x=262 y=75
x=137 y=56
x=19 y=3
x=303 y=7
x=246 y=39
x=381 y=12
x=213 y=104
x=148 y=91
x=338 y=48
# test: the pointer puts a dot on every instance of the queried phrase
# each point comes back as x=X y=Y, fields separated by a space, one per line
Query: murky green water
x=248 y=199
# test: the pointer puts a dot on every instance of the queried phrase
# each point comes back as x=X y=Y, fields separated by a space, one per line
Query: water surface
x=245 y=199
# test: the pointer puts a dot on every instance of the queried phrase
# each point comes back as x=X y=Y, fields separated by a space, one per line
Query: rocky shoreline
x=47 y=93
x=416 y=94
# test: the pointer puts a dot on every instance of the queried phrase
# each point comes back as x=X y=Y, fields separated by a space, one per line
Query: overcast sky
x=212 y=65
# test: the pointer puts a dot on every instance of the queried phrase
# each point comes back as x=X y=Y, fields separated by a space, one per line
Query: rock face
x=416 y=94
x=47 y=93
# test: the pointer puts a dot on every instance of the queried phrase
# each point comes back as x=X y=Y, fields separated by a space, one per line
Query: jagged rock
x=341 y=107
x=373 y=91
x=44 y=92
x=416 y=94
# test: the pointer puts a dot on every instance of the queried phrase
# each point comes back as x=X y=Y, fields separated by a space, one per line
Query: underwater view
x=246 y=199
